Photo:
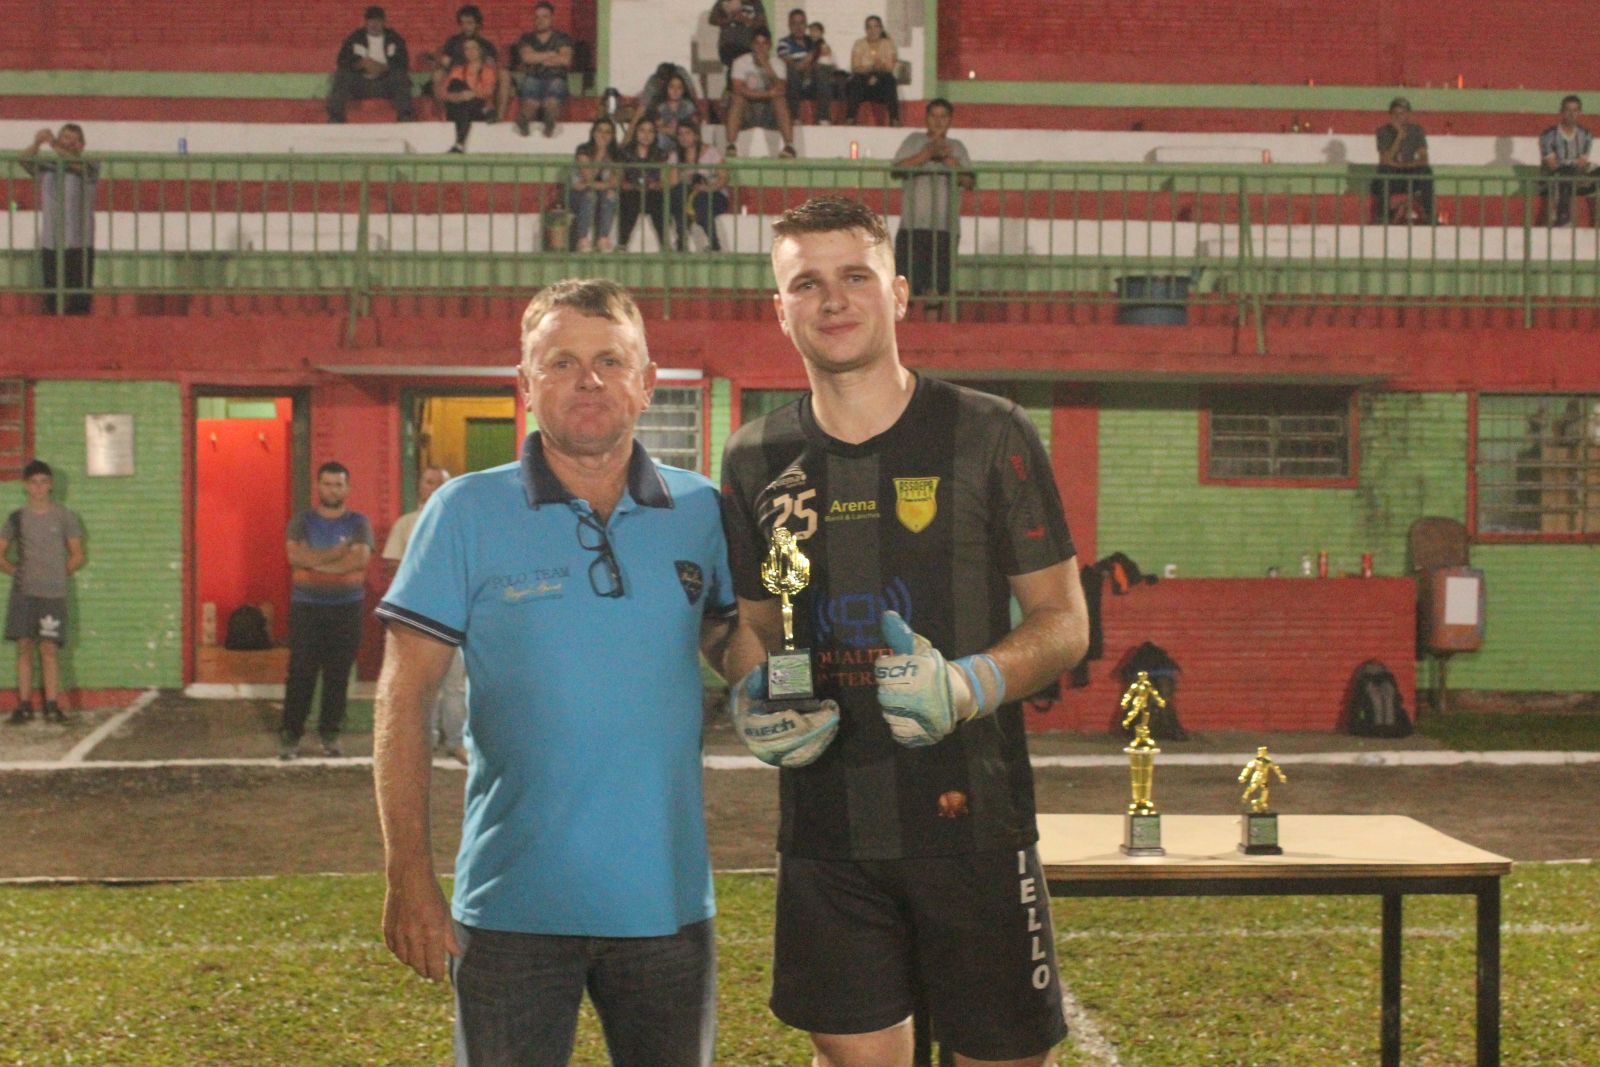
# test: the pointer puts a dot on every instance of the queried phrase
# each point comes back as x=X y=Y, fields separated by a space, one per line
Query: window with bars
x=671 y=429
x=1538 y=469
x=13 y=428
x=1278 y=435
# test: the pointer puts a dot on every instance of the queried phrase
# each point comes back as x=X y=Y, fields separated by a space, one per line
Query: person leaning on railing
x=65 y=192
x=1403 y=153
x=1564 y=152
x=592 y=196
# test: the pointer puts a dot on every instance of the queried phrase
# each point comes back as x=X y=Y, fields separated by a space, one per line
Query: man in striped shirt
x=1564 y=153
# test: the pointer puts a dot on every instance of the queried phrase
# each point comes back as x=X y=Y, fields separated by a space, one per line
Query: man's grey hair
x=599 y=298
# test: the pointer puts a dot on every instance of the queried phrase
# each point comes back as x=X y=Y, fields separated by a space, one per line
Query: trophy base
x=1142 y=835
x=789 y=682
x=1258 y=833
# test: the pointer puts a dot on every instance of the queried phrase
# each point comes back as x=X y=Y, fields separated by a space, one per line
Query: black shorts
x=856 y=942
x=36 y=618
x=923 y=257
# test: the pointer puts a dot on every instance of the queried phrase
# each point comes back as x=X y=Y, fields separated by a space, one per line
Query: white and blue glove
x=923 y=695
x=785 y=737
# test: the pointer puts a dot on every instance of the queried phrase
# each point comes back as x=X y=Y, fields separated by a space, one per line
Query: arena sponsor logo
x=1028 y=896
x=848 y=510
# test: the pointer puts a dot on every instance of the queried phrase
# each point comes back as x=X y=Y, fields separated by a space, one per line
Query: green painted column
x=125 y=608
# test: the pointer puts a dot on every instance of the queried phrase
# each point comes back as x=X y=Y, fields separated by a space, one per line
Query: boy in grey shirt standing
x=49 y=542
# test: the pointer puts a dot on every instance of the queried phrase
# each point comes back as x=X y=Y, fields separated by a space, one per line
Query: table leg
x=1390 y=1027
x=1489 y=974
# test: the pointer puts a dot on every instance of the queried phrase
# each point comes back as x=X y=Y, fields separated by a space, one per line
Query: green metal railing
x=1152 y=236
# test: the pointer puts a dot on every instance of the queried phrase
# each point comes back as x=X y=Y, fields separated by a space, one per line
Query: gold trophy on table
x=1258 y=827
x=785 y=572
x=1142 y=824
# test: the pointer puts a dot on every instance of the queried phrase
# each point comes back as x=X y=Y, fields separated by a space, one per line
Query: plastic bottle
x=183 y=146
x=1305 y=565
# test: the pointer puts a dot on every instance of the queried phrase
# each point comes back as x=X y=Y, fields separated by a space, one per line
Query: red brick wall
x=1255 y=654
x=234 y=35
x=1499 y=43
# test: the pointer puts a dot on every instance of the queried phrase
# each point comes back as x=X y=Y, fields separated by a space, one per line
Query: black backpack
x=1163 y=671
x=1374 y=707
x=247 y=630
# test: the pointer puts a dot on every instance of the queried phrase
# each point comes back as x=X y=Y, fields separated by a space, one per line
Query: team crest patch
x=916 y=502
x=692 y=578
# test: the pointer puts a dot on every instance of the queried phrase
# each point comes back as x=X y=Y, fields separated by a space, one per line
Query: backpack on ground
x=1163 y=671
x=1374 y=707
x=247 y=630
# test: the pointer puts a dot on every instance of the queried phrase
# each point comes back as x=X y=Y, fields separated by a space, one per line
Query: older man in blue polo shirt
x=580 y=582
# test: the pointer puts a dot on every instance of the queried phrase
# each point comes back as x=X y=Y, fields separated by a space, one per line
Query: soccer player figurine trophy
x=785 y=572
x=1258 y=827
x=1142 y=825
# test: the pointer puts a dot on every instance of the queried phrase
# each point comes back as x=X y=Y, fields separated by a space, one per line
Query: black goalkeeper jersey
x=928 y=519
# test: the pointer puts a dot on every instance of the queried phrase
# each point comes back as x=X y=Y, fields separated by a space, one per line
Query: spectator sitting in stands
x=872 y=75
x=372 y=64
x=1403 y=151
x=1564 y=153
x=758 y=96
x=803 y=74
x=655 y=86
x=593 y=195
x=467 y=90
x=825 y=64
x=542 y=58
x=672 y=109
x=453 y=54
x=698 y=186
x=641 y=185
x=737 y=22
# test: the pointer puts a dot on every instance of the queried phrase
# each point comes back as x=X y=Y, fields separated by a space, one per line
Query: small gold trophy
x=1258 y=827
x=786 y=571
x=1142 y=825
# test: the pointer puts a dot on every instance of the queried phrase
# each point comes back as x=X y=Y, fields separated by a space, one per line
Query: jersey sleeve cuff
x=393 y=612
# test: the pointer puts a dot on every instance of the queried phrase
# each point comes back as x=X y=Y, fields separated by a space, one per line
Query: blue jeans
x=517 y=997
x=706 y=207
x=593 y=211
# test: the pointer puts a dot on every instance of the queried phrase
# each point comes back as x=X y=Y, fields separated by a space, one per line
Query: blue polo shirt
x=583 y=805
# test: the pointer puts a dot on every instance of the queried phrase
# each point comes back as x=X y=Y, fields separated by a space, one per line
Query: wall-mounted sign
x=110 y=445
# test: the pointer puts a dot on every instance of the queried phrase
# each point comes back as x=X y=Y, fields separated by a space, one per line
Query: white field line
x=104 y=730
x=1085 y=1033
x=750 y=763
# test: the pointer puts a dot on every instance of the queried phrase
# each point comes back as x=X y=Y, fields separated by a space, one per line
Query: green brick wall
x=125 y=607
x=1153 y=507
x=719 y=424
x=1541 y=612
x=1543 y=603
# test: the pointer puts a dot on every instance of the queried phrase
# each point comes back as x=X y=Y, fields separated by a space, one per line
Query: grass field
x=292 y=971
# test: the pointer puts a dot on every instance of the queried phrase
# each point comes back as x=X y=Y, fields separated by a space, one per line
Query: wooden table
x=1379 y=855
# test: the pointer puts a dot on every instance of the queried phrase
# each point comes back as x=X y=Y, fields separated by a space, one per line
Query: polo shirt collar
x=539 y=482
